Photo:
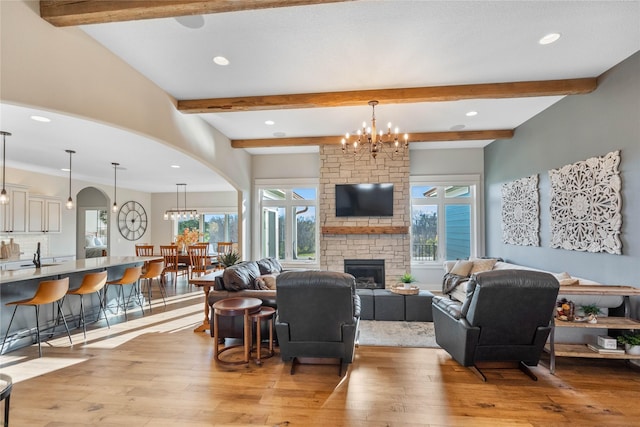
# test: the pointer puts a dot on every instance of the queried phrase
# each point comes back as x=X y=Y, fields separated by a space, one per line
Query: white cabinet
x=45 y=215
x=13 y=215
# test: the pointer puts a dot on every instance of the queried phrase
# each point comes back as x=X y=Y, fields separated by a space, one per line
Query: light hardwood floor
x=155 y=371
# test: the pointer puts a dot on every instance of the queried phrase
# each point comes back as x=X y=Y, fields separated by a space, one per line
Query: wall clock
x=132 y=220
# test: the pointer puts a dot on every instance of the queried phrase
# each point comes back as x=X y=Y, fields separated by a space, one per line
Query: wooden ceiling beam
x=390 y=96
x=64 y=13
x=472 y=135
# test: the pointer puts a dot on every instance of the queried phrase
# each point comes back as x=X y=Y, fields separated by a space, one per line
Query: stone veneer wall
x=339 y=168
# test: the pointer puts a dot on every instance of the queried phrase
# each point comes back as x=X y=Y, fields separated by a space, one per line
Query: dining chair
x=199 y=260
x=171 y=262
x=144 y=250
x=223 y=248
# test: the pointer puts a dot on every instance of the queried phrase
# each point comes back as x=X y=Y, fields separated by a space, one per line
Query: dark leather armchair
x=318 y=316
x=505 y=317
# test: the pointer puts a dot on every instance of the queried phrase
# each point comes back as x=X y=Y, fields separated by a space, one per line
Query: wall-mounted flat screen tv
x=364 y=199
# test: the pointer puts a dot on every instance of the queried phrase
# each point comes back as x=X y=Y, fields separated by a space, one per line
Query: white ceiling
x=342 y=46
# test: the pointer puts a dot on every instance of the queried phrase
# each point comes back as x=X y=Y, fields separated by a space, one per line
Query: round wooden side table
x=236 y=306
x=264 y=313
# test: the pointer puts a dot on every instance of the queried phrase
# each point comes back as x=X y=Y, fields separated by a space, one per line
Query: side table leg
x=215 y=336
x=247 y=336
x=258 y=342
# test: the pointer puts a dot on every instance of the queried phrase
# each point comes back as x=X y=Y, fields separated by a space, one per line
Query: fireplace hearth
x=369 y=273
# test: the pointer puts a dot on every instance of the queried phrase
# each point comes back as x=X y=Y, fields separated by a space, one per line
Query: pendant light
x=114 y=208
x=4 y=197
x=69 y=204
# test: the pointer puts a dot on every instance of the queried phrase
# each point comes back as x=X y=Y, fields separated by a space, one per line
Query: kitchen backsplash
x=28 y=243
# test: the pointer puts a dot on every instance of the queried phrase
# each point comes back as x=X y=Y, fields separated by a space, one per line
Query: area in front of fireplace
x=369 y=273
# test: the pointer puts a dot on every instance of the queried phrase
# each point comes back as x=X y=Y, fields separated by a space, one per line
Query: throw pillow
x=480 y=265
x=462 y=268
x=267 y=281
x=240 y=276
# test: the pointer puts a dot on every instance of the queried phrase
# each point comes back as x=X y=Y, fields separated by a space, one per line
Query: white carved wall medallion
x=520 y=209
x=585 y=205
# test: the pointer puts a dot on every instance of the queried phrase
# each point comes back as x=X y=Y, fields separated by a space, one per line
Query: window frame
x=475 y=203
x=288 y=204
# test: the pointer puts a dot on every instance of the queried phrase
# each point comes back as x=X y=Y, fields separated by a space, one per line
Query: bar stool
x=49 y=291
x=91 y=283
x=154 y=271
x=6 y=384
x=130 y=277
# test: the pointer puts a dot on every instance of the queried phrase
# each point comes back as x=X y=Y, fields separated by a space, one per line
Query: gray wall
x=576 y=128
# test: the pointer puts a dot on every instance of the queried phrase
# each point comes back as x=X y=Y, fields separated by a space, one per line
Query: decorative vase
x=592 y=318
x=632 y=349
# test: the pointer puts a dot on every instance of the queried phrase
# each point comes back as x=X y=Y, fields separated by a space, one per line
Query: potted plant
x=230 y=258
x=407 y=279
x=631 y=342
x=591 y=311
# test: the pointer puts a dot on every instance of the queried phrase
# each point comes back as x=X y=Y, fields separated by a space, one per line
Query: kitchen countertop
x=59 y=269
x=26 y=258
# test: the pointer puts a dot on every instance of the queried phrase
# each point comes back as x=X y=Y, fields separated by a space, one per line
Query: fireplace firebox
x=369 y=273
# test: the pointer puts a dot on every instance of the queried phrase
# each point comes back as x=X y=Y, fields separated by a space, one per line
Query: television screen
x=364 y=199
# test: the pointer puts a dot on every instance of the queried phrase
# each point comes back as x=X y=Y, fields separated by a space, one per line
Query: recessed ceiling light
x=221 y=60
x=40 y=119
x=65 y=169
x=269 y=123
x=549 y=38
x=471 y=113
x=175 y=166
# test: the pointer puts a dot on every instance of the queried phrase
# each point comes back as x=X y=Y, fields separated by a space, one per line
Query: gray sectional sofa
x=383 y=304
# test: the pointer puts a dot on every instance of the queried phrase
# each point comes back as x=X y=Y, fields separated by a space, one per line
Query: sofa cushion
x=240 y=276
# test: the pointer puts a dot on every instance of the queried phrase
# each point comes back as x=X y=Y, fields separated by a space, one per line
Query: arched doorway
x=92 y=223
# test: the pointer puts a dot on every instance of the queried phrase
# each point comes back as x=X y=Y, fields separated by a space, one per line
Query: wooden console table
x=613 y=322
x=206 y=282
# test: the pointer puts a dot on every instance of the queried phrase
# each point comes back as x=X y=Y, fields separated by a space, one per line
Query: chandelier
x=181 y=213
x=372 y=141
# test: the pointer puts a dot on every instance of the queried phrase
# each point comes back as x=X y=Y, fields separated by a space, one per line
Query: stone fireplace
x=364 y=238
x=369 y=273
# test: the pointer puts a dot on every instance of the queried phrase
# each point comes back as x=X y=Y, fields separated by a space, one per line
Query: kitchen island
x=21 y=284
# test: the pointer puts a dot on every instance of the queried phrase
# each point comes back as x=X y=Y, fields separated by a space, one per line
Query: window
x=443 y=219
x=215 y=227
x=288 y=222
